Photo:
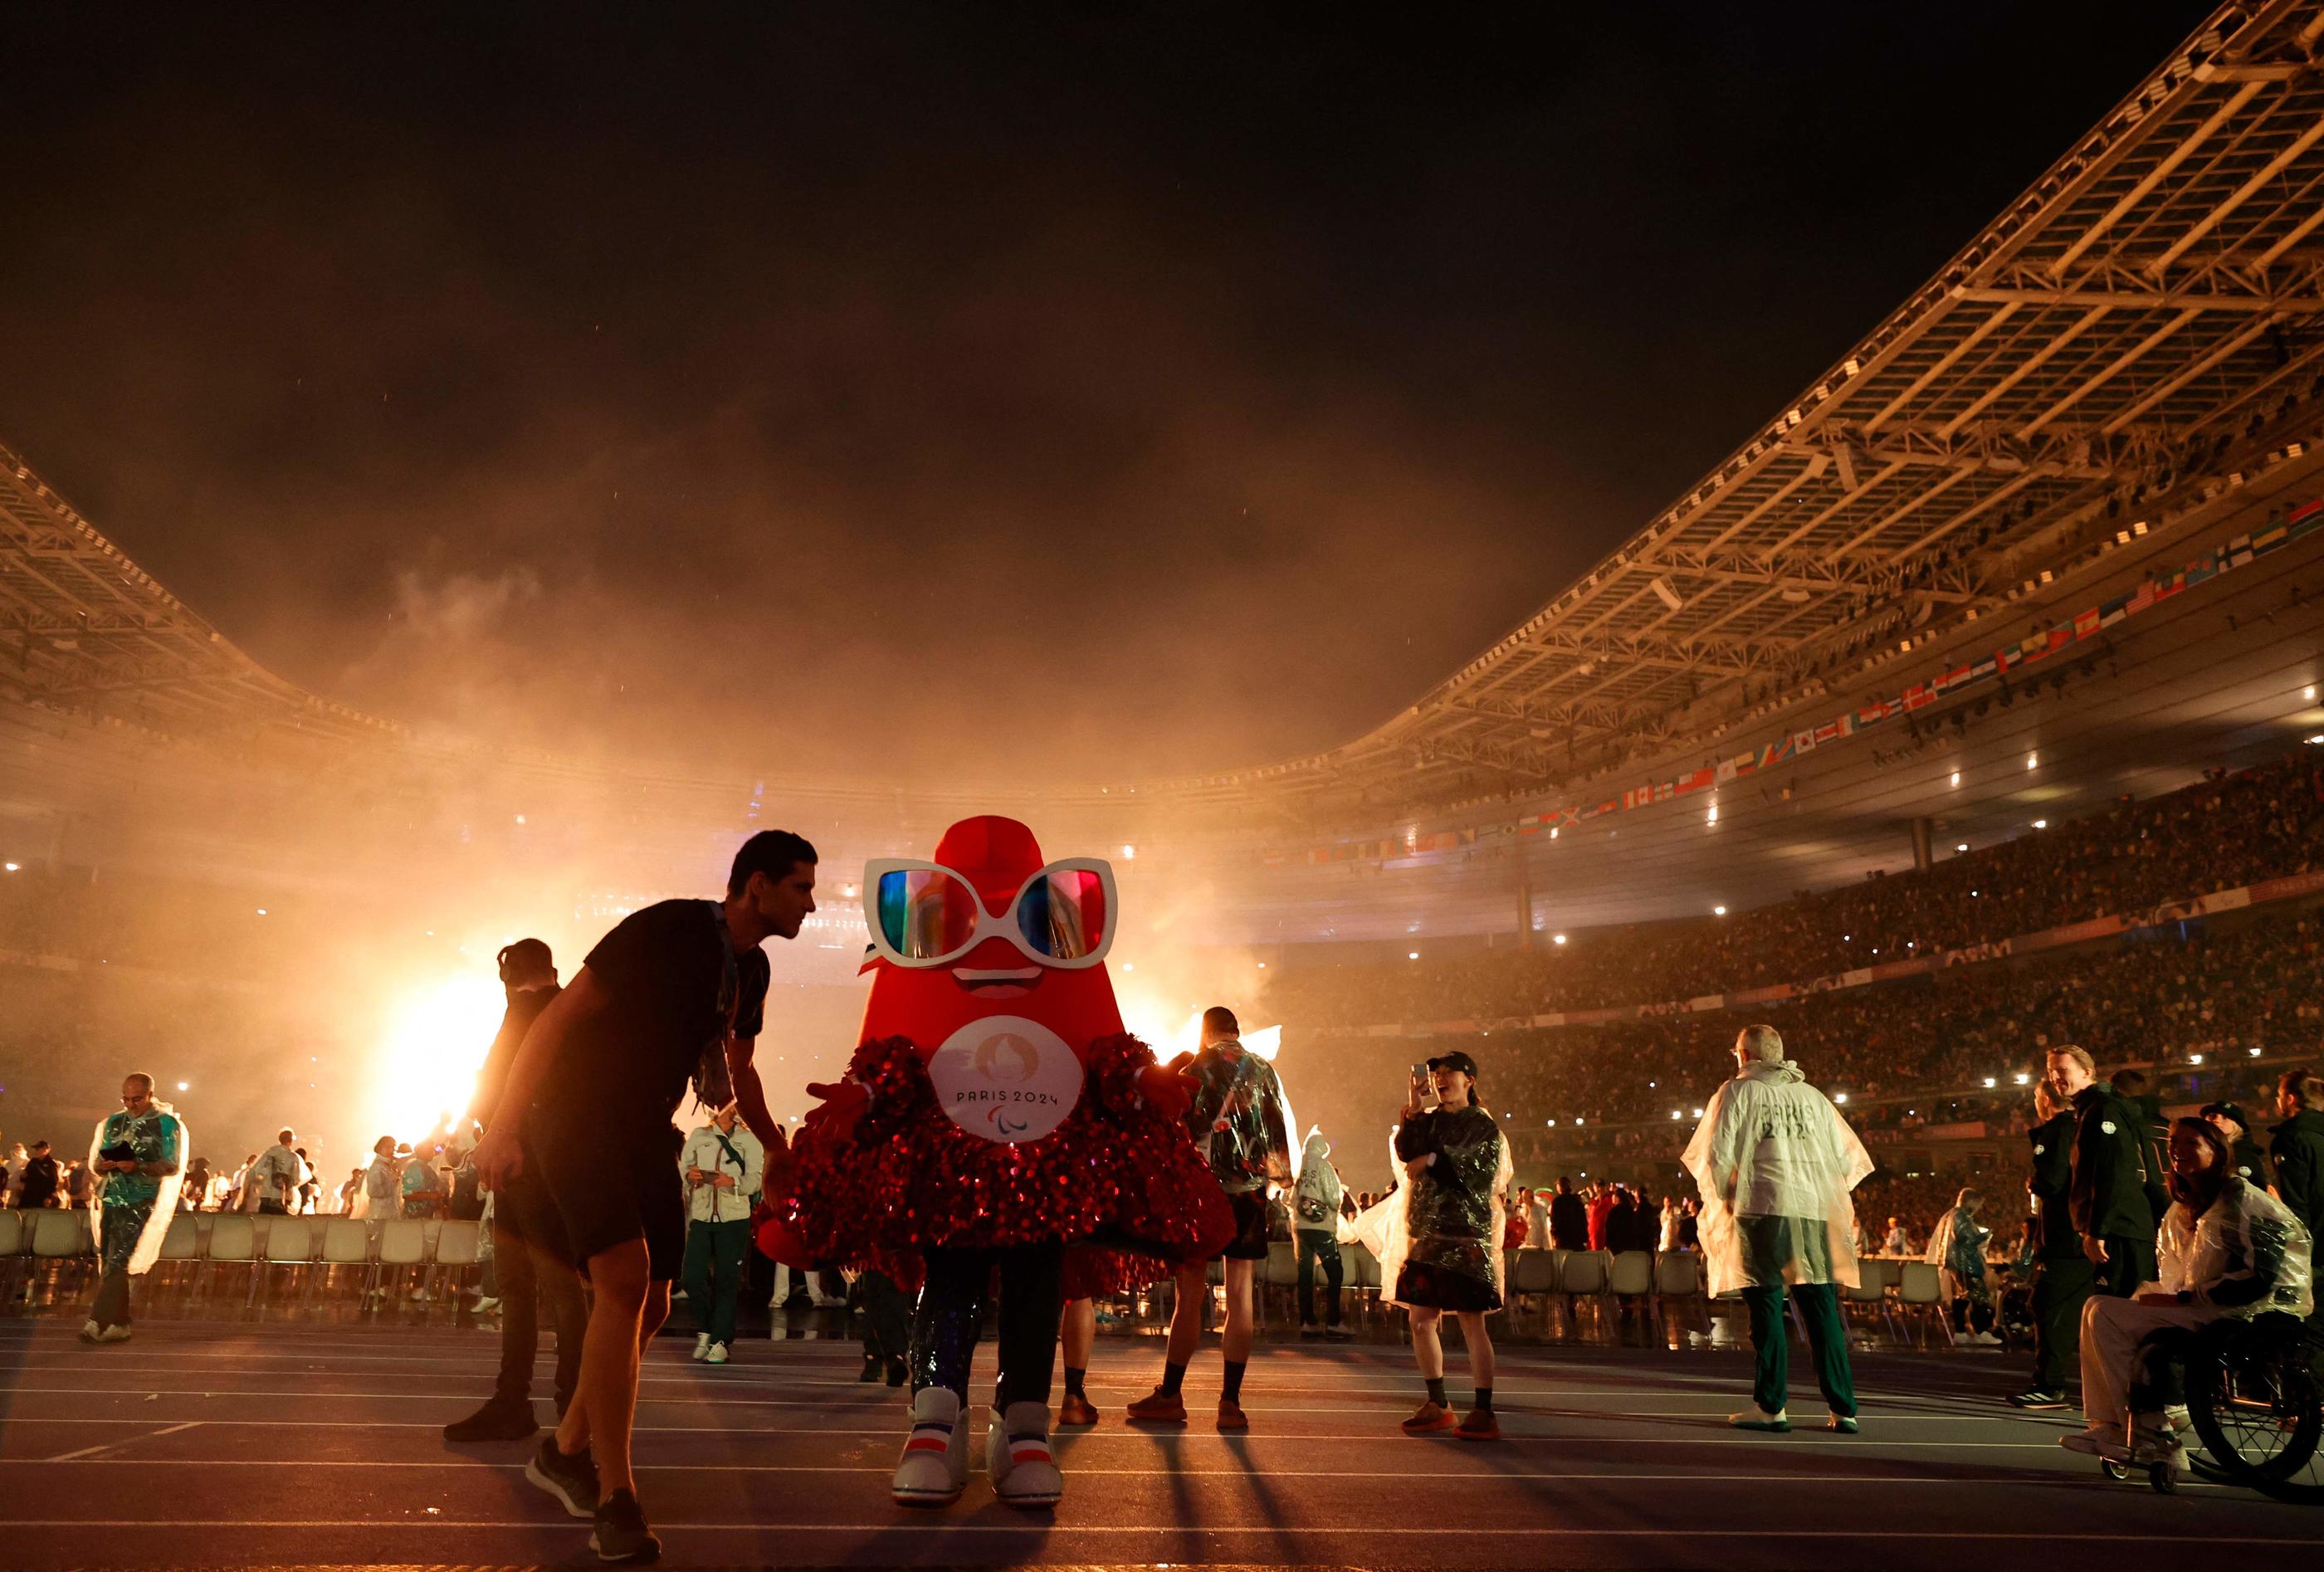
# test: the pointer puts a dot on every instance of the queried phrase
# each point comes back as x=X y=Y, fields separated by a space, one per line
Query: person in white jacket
x=1774 y=1163
x=723 y=1164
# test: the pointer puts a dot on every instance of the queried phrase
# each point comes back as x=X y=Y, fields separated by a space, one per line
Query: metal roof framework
x=2131 y=323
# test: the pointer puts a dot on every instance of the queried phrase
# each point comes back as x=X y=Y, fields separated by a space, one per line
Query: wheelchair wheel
x=2258 y=1407
x=2159 y=1475
x=2118 y=1472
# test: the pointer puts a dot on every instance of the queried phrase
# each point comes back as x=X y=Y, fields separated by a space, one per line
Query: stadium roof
x=2129 y=324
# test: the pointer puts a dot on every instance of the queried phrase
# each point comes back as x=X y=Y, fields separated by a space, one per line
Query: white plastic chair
x=403 y=1241
x=1920 y=1287
x=234 y=1242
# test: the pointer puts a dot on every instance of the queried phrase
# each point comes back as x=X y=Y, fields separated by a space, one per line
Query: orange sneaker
x=1480 y=1425
x=1232 y=1417
x=1077 y=1410
x=1430 y=1417
x=1157 y=1408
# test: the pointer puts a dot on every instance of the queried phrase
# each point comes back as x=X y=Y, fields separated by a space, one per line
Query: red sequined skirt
x=1119 y=1176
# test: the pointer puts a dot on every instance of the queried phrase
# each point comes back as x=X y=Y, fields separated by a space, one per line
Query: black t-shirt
x=524 y=1008
x=674 y=988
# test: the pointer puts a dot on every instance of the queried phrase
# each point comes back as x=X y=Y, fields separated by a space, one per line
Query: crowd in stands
x=2222 y=833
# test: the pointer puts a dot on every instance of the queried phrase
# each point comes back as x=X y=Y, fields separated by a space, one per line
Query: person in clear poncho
x=2225 y=1248
x=1956 y=1250
x=1776 y=1163
x=137 y=1155
x=1438 y=1235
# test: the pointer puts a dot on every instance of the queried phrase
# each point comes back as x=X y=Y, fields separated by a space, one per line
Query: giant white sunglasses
x=925 y=915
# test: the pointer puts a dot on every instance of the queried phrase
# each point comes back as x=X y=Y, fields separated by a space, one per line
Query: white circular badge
x=1006 y=1078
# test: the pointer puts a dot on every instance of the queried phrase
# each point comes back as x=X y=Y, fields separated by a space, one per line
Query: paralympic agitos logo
x=1006 y=1078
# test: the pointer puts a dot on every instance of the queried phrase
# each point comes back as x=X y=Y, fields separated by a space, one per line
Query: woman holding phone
x=1442 y=1251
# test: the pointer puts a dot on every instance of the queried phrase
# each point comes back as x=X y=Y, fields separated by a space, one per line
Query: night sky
x=992 y=393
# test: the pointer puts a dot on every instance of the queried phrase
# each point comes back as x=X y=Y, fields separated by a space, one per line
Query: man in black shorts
x=673 y=996
x=1236 y=1119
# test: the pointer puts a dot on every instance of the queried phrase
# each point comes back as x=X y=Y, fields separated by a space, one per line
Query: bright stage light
x=435 y=1043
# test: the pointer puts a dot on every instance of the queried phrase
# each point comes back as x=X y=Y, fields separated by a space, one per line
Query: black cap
x=1455 y=1060
x=2231 y=1110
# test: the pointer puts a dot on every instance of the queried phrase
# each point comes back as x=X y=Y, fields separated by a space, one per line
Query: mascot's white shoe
x=933 y=1468
x=1016 y=1455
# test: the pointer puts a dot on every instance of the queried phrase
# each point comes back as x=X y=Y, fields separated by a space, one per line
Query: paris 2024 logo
x=1003 y=1077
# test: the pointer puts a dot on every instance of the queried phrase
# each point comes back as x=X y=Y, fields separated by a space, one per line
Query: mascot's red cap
x=996 y=856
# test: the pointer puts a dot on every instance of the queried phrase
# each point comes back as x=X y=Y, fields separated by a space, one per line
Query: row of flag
x=2239 y=551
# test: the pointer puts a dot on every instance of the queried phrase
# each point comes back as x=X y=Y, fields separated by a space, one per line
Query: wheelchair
x=2254 y=1394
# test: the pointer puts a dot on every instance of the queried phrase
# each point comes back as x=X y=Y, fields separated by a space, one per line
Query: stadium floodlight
x=261 y=911
x=1840 y=1096
x=185 y=1085
x=1579 y=1120
x=2032 y=760
x=1719 y=911
x=1676 y=1114
x=2194 y=1059
x=1557 y=938
x=2316 y=741
x=1956 y=777
x=1962 y=846
x=1413 y=956
x=1992 y=1081
x=1711 y=816
x=1551 y=1122
x=1698 y=1112
x=1262 y=966
x=2040 y=824
x=1128 y=853
x=2021 y=1077
x=13 y=868
x=2254 y=1052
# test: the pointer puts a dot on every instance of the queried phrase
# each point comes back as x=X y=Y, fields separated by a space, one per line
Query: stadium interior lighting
x=1128 y=853
x=2316 y=741
x=1579 y=1120
x=1711 y=816
x=2194 y=1059
x=2021 y=1077
x=1676 y=1114
x=1719 y=911
x=1553 y=832
x=1698 y=1112
x=1413 y=956
x=429 y=1058
x=1557 y=938
x=2032 y=760
x=1840 y=1096
x=14 y=866
x=2309 y=694
x=1962 y=846
x=185 y=1085
x=261 y=911
x=519 y=818
x=1130 y=966
x=2040 y=824
x=1992 y=1081
x=1956 y=777
x=1262 y=966
x=2253 y=1051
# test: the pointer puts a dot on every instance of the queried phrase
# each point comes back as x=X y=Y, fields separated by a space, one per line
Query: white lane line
x=1046 y=1531
x=309 y=1394
x=88 y=1454
x=883 y=1469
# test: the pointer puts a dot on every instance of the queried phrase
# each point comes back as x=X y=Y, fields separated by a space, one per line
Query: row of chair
x=263 y=1248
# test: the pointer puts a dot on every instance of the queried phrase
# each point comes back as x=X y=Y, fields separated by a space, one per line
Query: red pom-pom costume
x=995 y=1113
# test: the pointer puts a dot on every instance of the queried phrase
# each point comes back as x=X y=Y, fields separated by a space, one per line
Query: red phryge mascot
x=995 y=1113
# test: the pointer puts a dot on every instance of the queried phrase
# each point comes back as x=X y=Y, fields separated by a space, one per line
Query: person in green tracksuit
x=2297 y=1146
x=2115 y=1166
x=723 y=1165
x=2062 y=1274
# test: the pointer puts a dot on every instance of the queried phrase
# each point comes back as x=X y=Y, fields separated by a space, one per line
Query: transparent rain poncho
x=1770 y=1145
x=1454 y=1220
x=2244 y=1255
x=165 y=1200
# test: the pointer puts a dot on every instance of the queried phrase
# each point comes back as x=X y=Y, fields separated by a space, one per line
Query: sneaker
x=1480 y=1425
x=2038 y=1397
x=420 y=1296
x=1336 y=1333
x=1075 y=1409
x=1016 y=1455
x=2097 y=1441
x=1232 y=1417
x=1843 y=1424
x=717 y=1354
x=92 y=1333
x=1310 y=1329
x=1429 y=1417
x=117 y=1333
x=874 y=1367
x=896 y=1370
x=621 y=1533
x=500 y=1419
x=701 y=1343
x=933 y=1468
x=571 y=1480
x=1157 y=1408
x=1982 y=1340
x=1756 y=1419
x=484 y=1306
